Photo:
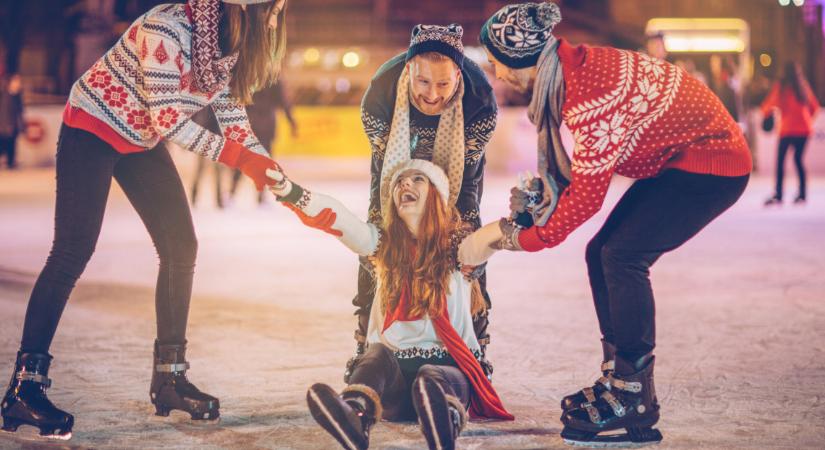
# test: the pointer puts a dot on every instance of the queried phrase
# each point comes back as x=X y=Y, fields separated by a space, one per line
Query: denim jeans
x=85 y=168
x=392 y=379
x=654 y=216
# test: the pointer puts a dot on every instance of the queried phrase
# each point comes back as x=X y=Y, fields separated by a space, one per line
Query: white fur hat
x=437 y=177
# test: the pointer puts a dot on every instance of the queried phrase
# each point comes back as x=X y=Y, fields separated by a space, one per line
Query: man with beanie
x=439 y=106
x=639 y=117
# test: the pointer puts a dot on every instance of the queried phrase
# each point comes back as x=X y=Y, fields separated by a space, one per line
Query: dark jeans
x=8 y=147
x=798 y=143
x=85 y=167
x=654 y=216
x=392 y=379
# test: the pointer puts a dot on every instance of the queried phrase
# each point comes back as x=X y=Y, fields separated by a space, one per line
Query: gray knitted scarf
x=545 y=113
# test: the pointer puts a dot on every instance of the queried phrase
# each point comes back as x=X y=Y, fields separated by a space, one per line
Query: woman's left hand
x=283 y=186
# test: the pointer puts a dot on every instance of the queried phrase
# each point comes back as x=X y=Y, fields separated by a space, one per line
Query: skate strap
x=34 y=377
x=629 y=386
x=172 y=368
x=595 y=417
x=605 y=381
x=589 y=395
x=609 y=365
x=614 y=403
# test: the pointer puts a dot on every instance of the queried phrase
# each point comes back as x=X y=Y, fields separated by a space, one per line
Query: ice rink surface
x=740 y=320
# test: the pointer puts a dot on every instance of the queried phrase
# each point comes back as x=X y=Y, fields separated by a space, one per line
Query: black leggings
x=654 y=216
x=392 y=379
x=85 y=167
x=798 y=143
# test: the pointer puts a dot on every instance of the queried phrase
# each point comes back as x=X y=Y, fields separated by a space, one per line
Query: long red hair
x=424 y=264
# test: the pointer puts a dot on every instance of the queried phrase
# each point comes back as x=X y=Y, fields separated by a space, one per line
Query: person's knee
x=427 y=371
x=593 y=252
x=179 y=252
x=622 y=262
x=379 y=351
x=70 y=256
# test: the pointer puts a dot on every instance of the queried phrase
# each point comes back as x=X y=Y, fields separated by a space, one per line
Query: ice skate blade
x=648 y=437
x=616 y=444
x=37 y=437
x=182 y=416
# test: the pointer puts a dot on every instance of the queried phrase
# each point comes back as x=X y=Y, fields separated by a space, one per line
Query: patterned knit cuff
x=530 y=240
x=295 y=196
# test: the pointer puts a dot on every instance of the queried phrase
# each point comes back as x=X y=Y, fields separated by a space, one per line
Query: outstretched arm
x=327 y=214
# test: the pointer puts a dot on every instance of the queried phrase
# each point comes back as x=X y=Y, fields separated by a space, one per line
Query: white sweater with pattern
x=142 y=91
x=416 y=338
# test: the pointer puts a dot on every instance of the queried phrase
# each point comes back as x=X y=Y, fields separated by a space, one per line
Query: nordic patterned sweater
x=635 y=116
x=480 y=111
x=142 y=91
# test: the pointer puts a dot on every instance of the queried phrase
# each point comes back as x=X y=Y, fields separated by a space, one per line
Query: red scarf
x=484 y=401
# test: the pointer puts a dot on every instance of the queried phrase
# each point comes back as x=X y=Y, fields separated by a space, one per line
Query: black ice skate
x=347 y=417
x=441 y=416
x=171 y=390
x=589 y=394
x=630 y=404
x=25 y=402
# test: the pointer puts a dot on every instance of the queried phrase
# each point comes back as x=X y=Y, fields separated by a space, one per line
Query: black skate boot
x=25 y=402
x=630 y=404
x=347 y=417
x=441 y=416
x=171 y=390
x=589 y=394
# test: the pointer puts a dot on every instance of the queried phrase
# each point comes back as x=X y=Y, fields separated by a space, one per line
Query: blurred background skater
x=11 y=117
x=797 y=105
x=206 y=119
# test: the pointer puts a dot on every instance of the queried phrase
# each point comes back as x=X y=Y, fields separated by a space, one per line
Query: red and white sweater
x=636 y=116
x=142 y=91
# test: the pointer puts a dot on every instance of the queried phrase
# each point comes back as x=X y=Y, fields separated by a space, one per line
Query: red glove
x=250 y=163
x=323 y=221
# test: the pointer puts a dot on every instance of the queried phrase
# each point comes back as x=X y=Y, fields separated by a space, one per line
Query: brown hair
x=425 y=263
x=260 y=48
x=793 y=79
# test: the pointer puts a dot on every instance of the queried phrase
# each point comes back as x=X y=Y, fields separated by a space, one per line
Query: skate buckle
x=629 y=386
x=34 y=377
x=609 y=365
x=595 y=417
x=615 y=404
x=172 y=368
x=589 y=395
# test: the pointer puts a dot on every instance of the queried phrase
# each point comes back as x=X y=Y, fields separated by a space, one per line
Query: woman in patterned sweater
x=634 y=116
x=422 y=354
x=142 y=92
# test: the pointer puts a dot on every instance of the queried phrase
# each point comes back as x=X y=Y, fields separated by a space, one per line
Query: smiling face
x=409 y=195
x=433 y=81
x=519 y=79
